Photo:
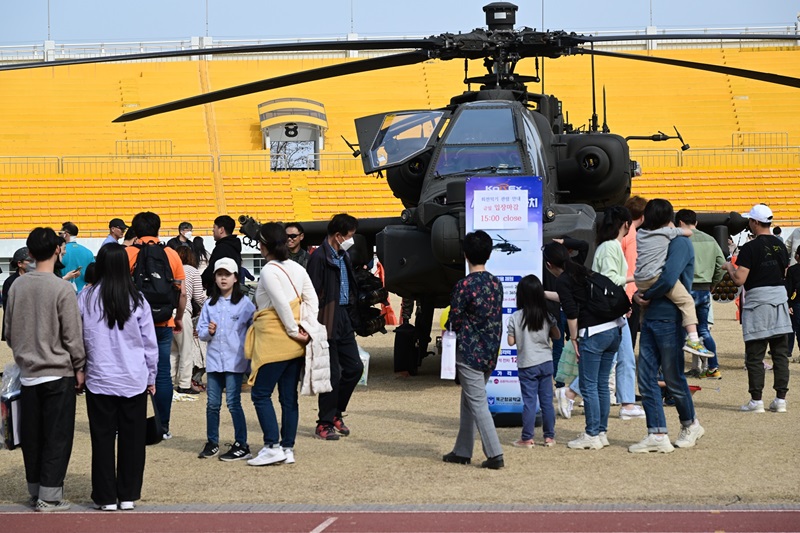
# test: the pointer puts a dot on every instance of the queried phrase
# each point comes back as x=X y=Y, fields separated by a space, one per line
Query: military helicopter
x=505 y=247
x=499 y=129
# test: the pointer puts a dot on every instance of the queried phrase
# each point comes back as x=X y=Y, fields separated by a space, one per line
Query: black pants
x=346 y=369
x=47 y=428
x=754 y=360
x=121 y=421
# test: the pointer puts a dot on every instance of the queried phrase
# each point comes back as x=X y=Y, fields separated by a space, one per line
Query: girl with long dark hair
x=530 y=328
x=223 y=324
x=121 y=359
x=609 y=260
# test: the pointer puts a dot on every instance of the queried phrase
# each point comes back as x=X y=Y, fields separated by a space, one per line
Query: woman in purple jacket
x=121 y=358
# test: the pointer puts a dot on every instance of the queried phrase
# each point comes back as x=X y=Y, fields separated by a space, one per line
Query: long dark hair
x=557 y=255
x=273 y=236
x=530 y=299
x=200 y=249
x=113 y=280
x=613 y=219
x=216 y=294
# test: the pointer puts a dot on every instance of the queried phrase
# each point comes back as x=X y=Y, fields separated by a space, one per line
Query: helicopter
x=507 y=247
x=500 y=129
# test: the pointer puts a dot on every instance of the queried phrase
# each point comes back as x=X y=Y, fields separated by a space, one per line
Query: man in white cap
x=761 y=268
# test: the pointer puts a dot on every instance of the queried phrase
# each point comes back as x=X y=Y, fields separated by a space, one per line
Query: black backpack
x=606 y=300
x=152 y=275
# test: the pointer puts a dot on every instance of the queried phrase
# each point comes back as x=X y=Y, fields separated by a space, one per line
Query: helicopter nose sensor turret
x=500 y=16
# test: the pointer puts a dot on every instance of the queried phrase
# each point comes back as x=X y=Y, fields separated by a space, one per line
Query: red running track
x=417 y=522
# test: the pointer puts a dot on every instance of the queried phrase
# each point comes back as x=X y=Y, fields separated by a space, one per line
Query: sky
x=91 y=21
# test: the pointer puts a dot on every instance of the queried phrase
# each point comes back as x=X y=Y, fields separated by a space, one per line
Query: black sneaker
x=209 y=450
x=236 y=452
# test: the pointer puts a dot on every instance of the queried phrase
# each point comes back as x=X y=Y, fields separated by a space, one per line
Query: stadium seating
x=180 y=164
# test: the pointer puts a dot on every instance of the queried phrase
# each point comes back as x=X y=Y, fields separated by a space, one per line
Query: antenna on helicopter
x=594 y=98
x=356 y=152
x=606 y=129
x=466 y=74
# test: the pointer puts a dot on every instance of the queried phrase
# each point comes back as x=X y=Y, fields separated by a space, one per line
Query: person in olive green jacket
x=708 y=272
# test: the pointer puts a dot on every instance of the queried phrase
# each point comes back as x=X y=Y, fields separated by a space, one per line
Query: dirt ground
x=401 y=428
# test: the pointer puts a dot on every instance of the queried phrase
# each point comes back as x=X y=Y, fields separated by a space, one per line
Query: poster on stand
x=509 y=209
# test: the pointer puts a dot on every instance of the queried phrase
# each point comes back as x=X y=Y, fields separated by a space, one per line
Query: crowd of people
x=669 y=269
x=149 y=317
x=142 y=317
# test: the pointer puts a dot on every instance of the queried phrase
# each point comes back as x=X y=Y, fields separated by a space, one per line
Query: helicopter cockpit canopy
x=400 y=137
x=484 y=136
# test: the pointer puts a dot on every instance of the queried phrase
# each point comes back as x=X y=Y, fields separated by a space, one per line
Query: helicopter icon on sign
x=505 y=246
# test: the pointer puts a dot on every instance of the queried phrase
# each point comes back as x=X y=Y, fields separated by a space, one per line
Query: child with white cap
x=223 y=324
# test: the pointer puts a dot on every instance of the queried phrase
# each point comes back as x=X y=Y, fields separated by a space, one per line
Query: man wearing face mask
x=331 y=273
x=184 y=237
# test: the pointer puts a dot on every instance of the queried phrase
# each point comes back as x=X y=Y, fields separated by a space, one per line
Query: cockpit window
x=479 y=126
x=481 y=138
x=402 y=136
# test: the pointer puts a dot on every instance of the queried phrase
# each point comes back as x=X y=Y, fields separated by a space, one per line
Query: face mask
x=346 y=244
x=187 y=235
x=30 y=266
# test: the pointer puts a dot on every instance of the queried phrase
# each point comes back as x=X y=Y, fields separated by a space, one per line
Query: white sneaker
x=108 y=507
x=289 y=453
x=754 y=406
x=267 y=456
x=603 y=436
x=778 y=405
x=126 y=506
x=586 y=442
x=626 y=413
x=652 y=443
x=689 y=435
x=564 y=404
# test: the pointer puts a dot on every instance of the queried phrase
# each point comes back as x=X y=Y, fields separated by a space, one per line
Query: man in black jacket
x=226 y=245
x=331 y=273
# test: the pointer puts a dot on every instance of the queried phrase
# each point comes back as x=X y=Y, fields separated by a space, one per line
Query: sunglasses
x=292 y=235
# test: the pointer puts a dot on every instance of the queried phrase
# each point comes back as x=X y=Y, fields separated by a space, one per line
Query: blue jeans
x=594 y=367
x=702 y=306
x=626 y=368
x=286 y=375
x=232 y=383
x=536 y=383
x=163 y=396
x=661 y=346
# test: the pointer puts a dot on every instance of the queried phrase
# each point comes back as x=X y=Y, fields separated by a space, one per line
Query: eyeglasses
x=292 y=235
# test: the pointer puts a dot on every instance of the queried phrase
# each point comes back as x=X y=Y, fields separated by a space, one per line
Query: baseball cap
x=19 y=256
x=117 y=223
x=226 y=263
x=760 y=213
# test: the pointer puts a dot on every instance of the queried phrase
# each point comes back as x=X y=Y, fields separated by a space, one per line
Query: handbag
x=567 y=365
x=155 y=431
x=448 y=370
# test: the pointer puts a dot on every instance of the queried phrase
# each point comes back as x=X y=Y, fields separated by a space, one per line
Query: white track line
x=323 y=526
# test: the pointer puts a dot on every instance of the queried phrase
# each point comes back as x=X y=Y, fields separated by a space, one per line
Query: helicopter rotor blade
x=342 y=69
x=377 y=44
x=688 y=36
x=731 y=71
